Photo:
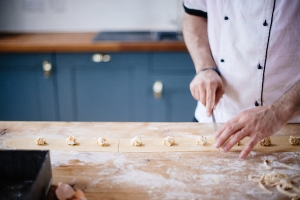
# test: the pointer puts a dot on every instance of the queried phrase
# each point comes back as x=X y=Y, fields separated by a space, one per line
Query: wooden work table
x=78 y=42
x=172 y=175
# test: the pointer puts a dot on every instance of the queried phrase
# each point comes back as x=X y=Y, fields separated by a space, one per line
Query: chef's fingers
x=202 y=91
x=219 y=94
x=193 y=88
x=197 y=94
x=210 y=99
x=193 y=92
x=250 y=145
x=222 y=129
x=228 y=131
x=237 y=137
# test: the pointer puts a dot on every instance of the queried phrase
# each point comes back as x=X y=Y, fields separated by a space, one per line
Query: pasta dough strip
x=279 y=180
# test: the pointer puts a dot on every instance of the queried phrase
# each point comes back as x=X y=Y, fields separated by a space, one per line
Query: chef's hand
x=207 y=87
x=257 y=123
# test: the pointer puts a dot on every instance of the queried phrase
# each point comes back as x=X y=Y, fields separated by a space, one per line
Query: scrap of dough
x=201 y=140
x=266 y=141
x=40 y=141
x=102 y=141
x=169 y=141
x=294 y=140
x=87 y=144
x=267 y=163
x=279 y=180
x=136 y=141
x=71 y=140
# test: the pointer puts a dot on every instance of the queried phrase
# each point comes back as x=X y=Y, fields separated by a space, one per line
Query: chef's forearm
x=196 y=40
x=288 y=106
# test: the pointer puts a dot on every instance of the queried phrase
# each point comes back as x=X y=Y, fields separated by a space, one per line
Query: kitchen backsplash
x=89 y=15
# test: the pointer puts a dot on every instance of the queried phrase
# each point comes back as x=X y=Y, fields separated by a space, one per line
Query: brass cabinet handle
x=157 y=89
x=47 y=67
x=97 y=57
x=106 y=58
x=101 y=58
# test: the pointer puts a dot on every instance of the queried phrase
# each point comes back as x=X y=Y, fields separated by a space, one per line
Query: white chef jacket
x=256 y=47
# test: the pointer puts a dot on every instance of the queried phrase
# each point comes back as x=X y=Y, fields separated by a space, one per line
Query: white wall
x=89 y=15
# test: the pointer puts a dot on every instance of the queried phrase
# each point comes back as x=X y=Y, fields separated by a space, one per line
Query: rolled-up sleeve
x=195 y=7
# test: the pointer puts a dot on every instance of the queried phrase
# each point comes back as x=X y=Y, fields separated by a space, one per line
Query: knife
x=214 y=120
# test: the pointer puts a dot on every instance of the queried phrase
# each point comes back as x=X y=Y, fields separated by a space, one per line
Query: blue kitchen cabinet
x=91 y=89
x=102 y=87
x=172 y=100
x=27 y=88
x=96 y=87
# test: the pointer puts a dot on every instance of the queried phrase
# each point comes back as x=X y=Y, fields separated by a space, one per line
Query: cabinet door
x=102 y=91
x=176 y=104
x=25 y=93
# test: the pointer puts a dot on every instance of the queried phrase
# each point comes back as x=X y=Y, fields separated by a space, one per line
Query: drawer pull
x=157 y=89
x=106 y=58
x=101 y=58
x=47 y=67
x=97 y=57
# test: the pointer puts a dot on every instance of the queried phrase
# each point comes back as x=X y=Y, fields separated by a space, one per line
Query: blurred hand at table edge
x=66 y=192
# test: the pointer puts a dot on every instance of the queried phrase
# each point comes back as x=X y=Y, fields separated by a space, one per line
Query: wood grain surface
x=157 y=175
x=78 y=42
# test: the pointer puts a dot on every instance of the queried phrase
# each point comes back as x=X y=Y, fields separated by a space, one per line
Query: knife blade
x=214 y=120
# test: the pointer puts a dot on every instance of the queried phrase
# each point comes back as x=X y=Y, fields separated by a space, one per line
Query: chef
x=247 y=60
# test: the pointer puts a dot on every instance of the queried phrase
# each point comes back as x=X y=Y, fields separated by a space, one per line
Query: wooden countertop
x=169 y=175
x=78 y=42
